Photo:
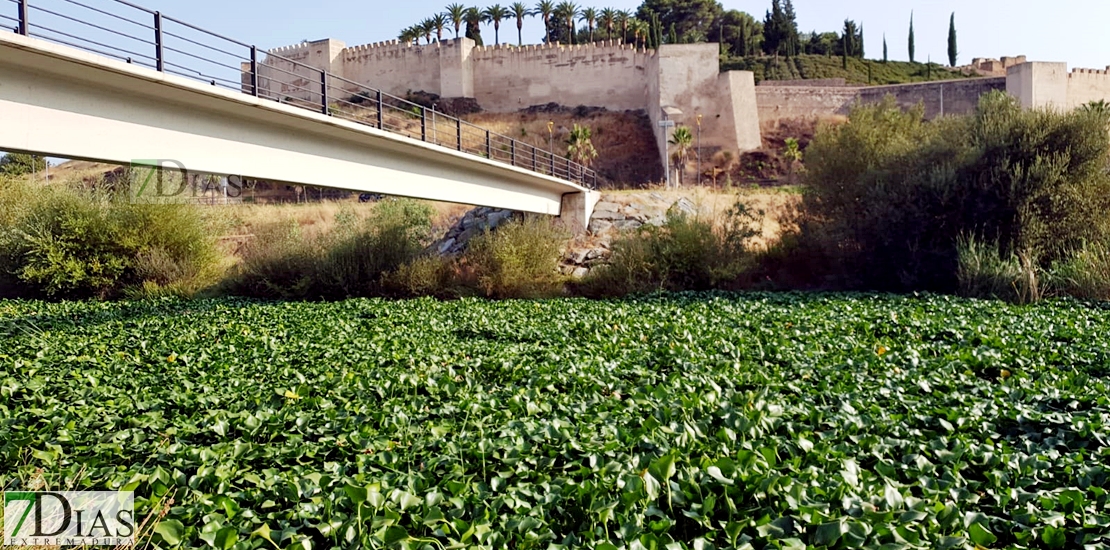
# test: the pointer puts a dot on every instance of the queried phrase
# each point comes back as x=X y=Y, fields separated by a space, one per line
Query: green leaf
x=172 y=531
x=828 y=533
x=981 y=535
x=1054 y=537
x=664 y=467
x=715 y=473
x=226 y=538
x=395 y=534
x=356 y=494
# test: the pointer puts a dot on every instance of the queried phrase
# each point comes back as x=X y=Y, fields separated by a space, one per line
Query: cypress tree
x=743 y=49
x=911 y=38
x=859 y=43
x=953 y=53
x=885 y=58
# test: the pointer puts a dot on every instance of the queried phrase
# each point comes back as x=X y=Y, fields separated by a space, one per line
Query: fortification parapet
x=545 y=52
x=391 y=49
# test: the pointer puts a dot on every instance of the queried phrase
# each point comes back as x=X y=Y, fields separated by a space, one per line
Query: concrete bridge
x=67 y=102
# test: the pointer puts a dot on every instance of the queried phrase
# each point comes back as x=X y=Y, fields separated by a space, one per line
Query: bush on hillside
x=63 y=242
x=890 y=195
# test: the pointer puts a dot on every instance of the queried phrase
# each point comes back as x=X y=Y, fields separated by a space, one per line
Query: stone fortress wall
x=677 y=82
x=683 y=79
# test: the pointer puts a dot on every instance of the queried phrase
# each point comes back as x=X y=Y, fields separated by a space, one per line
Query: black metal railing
x=137 y=35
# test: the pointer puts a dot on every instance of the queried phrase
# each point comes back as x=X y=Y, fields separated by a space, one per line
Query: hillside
x=819 y=66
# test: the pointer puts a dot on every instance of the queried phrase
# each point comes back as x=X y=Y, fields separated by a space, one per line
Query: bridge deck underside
x=63 y=102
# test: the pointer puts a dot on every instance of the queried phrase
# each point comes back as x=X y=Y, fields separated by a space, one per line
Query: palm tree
x=639 y=30
x=520 y=11
x=427 y=27
x=495 y=14
x=544 y=8
x=623 y=17
x=568 y=11
x=589 y=15
x=682 y=140
x=439 y=21
x=607 y=18
x=457 y=13
x=409 y=35
x=580 y=146
x=473 y=18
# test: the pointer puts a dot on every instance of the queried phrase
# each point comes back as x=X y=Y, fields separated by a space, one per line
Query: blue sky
x=1063 y=30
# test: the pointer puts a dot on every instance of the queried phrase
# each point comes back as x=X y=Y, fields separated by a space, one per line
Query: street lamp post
x=698 y=153
x=551 y=144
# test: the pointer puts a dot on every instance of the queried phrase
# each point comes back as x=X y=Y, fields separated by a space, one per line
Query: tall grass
x=1085 y=273
x=352 y=259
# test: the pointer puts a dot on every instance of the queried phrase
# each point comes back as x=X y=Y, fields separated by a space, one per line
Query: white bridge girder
x=64 y=102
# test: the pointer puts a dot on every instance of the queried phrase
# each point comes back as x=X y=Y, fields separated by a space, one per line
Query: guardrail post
x=254 y=71
x=24 y=8
x=552 y=155
x=423 y=124
x=534 y=167
x=512 y=152
x=458 y=134
x=159 y=46
x=489 y=147
x=324 y=92
x=381 y=118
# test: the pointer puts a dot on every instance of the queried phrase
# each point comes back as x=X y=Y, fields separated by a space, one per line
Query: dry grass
x=777 y=203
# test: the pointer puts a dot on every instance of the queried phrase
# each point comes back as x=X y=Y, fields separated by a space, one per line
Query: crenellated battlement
x=392 y=49
x=294 y=50
x=1090 y=72
x=600 y=48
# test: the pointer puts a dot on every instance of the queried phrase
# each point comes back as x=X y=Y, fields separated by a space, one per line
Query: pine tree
x=953 y=52
x=885 y=58
x=912 y=48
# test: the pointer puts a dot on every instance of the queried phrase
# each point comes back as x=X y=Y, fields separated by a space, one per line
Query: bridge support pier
x=577 y=208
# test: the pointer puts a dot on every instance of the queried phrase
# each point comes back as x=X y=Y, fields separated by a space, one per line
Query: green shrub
x=69 y=243
x=518 y=260
x=350 y=261
x=890 y=194
x=685 y=253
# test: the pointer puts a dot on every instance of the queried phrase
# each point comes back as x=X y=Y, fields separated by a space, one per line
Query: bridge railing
x=128 y=32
